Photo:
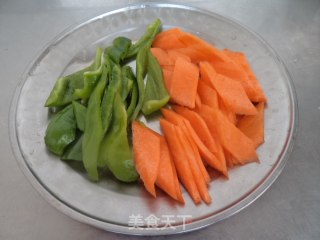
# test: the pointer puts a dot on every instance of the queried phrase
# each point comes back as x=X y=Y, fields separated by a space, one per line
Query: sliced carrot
x=176 y=182
x=231 y=92
x=253 y=126
x=207 y=94
x=174 y=55
x=167 y=72
x=197 y=175
x=184 y=82
x=227 y=112
x=162 y=56
x=252 y=86
x=166 y=176
x=194 y=42
x=205 y=153
x=178 y=120
x=198 y=101
x=183 y=169
x=232 y=139
x=197 y=156
x=199 y=126
x=146 y=148
x=168 y=39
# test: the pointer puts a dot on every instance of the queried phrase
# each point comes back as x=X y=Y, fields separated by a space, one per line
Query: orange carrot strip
x=207 y=94
x=205 y=153
x=199 y=126
x=232 y=139
x=227 y=112
x=231 y=92
x=167 y=72
x=166 y=176
x=168 y=39
x=177 y=120
x=184 y=82
x=174 y=55
x=179 y=158
x=196 y=154
x=252 y=87
x=198 y=101
x=197 y=175
x=253 y=126
x=146 y=148
x=211 y=53
x=162 y=56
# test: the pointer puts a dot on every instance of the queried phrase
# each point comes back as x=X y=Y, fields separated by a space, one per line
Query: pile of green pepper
x=99 y=102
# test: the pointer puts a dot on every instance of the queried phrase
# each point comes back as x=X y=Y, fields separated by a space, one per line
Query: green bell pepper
x=80 y=112
x=156 y=94
x=147 y=39
x=74 y=152
x=108 y=98
x=93 y=133
x=64 y=89
x=119 y=50
x=141 y=71
x=133 y=101
x=61 y=131
x=127 y=81
x=115 y=150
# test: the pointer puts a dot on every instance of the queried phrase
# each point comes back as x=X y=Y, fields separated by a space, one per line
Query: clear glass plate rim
x=84 y=217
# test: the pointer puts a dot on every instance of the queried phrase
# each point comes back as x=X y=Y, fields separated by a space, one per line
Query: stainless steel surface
x=288 y=210
x=94 y=203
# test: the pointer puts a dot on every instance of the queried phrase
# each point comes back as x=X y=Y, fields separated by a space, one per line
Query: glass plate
x=127 y=208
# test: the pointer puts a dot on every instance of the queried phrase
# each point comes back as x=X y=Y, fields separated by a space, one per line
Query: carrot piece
x=179 y=158
x=197 y=175
x=235 y=72
x=227 y=112
x=252 y=86
x=229 y=159
x=178 y=120
x=167 y=72
x=166 y=176
x=232 y=139
x=184 y=82
x=200 y=128
x=253 y=126
x=199 y=125
x=162 y=56
x=146 y=148
x=197 y=156
x=207 y=94
x=205 y=51
x=205 y=153
x=198 y=101
x=231 y=92
x=174 y=55
x=176 y=182
x=168 y=39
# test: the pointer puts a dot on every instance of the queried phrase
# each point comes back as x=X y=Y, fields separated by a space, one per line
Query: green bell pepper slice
x=108 y=98
x=141 y=71
x=80 y=112
x=147 y=39
x=120 y=48
x=64 y=89
x=127 y=81
x=61 y=131
x=94 y=132
x=156 y=94
x=74 y=152
x=115 y=149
